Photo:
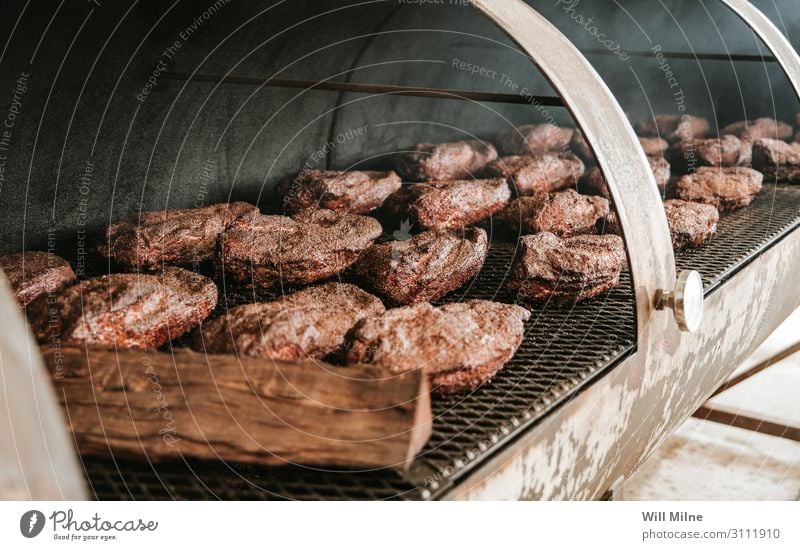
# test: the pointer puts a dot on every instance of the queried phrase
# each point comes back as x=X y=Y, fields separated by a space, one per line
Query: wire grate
x=564 y=349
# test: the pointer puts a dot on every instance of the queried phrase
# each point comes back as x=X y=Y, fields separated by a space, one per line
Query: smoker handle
x=774 y=39
x=37 y=458
x=612 y=140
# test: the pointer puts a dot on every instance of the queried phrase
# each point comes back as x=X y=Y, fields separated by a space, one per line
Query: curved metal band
x=611 y=138
x=777 y=43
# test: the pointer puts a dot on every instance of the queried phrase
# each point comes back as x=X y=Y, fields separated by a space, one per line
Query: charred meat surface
x=32 y=274
x=357 y=192
x=759 y=128
x=687 y=155
x=690 y=223
x=549 y=269
x=725 y=188
x=534 y=139
x=310 y=323
x=674 y=127
x=595 y=182
x=777 y=160
x=179 y=237
x=541 y=174
x=126 y=310
x=565 y=213
x=444 y=161
x=447 y=204
x=460 y=346
x=264 y=251
x=425 y=267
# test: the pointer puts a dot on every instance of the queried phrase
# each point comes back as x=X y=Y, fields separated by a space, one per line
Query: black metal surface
x=564 y=349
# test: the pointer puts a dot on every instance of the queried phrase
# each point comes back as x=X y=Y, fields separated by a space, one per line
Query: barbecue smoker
x=146 y=116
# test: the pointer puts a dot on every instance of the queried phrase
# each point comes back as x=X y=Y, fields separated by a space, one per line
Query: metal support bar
x=748 y=58
x=752 y=371
x=739 y=419
x=438 y=93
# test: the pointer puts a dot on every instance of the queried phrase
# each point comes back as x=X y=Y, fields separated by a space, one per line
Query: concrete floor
x=708 y=461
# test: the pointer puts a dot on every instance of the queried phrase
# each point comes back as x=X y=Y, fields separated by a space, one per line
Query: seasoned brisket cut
x=777 y=160
x=461 y=345
x=674 y=127
x=265 y=251
x=444 y=161
x=424 y=267
x=725 y=188
x=310 y=323
x=125 y=310
x=32 y=274
x=565 y=213
x=690 y=223
x=179 y=237
x=447 y=204
x=356 y=192
x=688 y=155
x=540 y=174
x=549 y=269
x=534 y=139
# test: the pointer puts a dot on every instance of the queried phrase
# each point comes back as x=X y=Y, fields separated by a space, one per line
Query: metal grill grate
x=563 y=350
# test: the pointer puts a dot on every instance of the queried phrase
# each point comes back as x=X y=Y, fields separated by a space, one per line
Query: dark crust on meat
x=534 y=139
x=759 y=128
x=687 y=155
x=594 y=181
x=179 y=237
x=444 y=161
x=263 y=251
x=777 y=160
x=356 y=192
x=690 y=223
x=126 y=310
x=447 y=204
x=425 y=267
x=460 y=345
x=674 y=127
x=541 y=174
x=565 y=213
x=549 y=269
x=725 y=188
x=310 y=323
x=32 y=274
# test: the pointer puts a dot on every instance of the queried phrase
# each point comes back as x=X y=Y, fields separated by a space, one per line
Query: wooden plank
x=739 y=419
x=166 y=406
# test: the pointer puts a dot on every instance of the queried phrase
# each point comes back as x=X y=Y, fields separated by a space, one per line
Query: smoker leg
x=740 y=419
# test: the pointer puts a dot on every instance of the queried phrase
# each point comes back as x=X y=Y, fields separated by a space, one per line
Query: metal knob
x=685 y=301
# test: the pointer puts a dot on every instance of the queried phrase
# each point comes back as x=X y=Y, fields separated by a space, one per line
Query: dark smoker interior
x=95 y=140
x=119 y=108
